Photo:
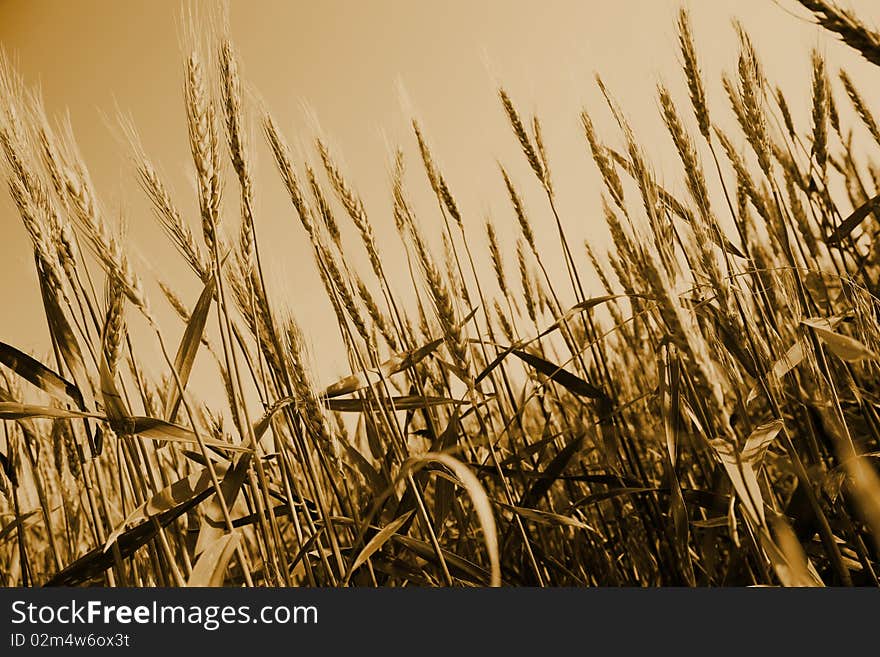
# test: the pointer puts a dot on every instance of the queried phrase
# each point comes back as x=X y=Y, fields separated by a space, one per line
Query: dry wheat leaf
x=675 y=207
x=397 y=363
x=758 y=441
x=444 y=492
x=64 y=337
x=563 y=377
x=744 y=479
x=458 y=565
x=556 y=467
x=578 y=308
x=10 y=410
x=376 y=543
x=571 y=312
x=97 y=560
x=594 y=498
x=669 y=392
x=849 y=224
x=166 y=499
x=114 y=404
x=842 y=346
x=14 y=524
x=210 y=567
x=403 y=403
x=156 y=429
x=214 y=522
x=39 y=375
x=189 y=347
x=795 y=354
x=368 y=472
x=546 y=517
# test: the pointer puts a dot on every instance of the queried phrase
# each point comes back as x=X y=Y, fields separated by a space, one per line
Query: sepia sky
x=344 y=64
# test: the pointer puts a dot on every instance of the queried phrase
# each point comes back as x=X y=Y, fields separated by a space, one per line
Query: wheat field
x=704 y=414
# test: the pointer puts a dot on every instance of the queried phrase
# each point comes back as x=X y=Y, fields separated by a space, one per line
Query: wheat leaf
x=563 y=377
x=189 y=347
x=397 y=363
x=210 y=568
x=744 y=479
x=166 y=499
x=849 y=224
x=64 y=338
x=39 y=375
x=479 y=499
x=10 y=410
x=377 y=542
x=842 y=346
x=758 y=441
x=404 y=403
x=546 y=517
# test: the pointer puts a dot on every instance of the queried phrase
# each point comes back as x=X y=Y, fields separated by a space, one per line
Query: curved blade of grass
x=679 y=514
x=64 y=337
x=571 y=312
x=537 y=447
x=795 y=354
x=213 y=523
x=263 y=424
x=444 y=490
x=669 y=393
x=14 y=524
x=674 y=206
x=306 y=546
x=790 y=359
x=114 y=404
x=279 y=511
x=479 y=499
x=397 y=363
x=744 y=479
x=368 y=472
x=595 y=498
x=156 y=429
x=583 y=306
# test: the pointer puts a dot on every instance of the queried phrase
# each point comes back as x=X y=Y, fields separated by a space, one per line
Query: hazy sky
x=345 y=61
